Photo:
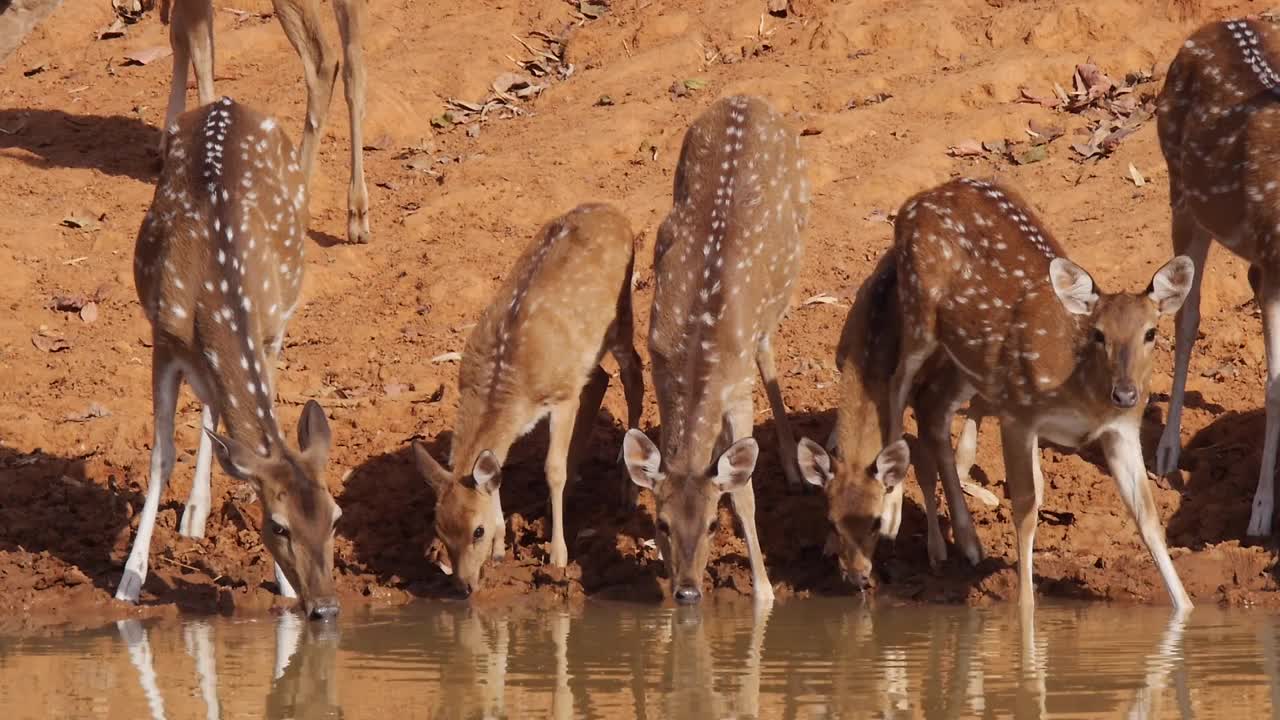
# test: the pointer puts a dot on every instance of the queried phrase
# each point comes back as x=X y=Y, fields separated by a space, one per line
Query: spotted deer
x=191 y=38
x=218 y=268
x=725 y=262
x=862 y=480
x=1218 y=115
x=535 y=353
x=981 y=281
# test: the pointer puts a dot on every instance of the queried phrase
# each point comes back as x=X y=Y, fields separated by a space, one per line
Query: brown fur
x=536 y=351
x=724 y=265
x=981 y=280
x=1219 y=123
x=218 y=268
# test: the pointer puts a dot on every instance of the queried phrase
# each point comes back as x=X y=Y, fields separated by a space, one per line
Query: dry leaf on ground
x=966 y=148
x=94 y=410
x=146 y=56
x=50 y=343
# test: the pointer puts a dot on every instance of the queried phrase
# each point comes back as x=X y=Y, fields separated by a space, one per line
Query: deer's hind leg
x=1193 y=241
x=301 y=22
x=350 y=15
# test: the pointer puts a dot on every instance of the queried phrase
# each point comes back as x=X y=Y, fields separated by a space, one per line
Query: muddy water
x=802 y=659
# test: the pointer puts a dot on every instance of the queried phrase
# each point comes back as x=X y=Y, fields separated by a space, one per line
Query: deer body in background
x=535 y=353
x=980 y=280
x=725 y=263
x=218 y=268
x=191 y=37
x=1219 y=122
x=863 y=482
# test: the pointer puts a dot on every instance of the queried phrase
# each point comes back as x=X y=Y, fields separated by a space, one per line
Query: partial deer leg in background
x=350 y=15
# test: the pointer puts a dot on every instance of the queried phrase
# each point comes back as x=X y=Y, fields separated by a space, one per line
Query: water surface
x=802 y=659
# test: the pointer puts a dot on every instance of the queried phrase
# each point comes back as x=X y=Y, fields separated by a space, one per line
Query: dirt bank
x=882 y=89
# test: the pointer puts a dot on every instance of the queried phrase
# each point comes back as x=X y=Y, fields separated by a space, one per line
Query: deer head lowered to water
x=218 y=268
x=724 y=265
x=535 y=353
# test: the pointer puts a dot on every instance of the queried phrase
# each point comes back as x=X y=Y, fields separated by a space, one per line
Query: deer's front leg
x=1191 y=240
x=786 y=441
x=165 y=380
x=1026 y=488
x=1124 y=456
x=562 y=422
x=744 y=503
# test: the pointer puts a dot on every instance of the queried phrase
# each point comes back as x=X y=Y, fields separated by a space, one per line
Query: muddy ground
x=882 y=90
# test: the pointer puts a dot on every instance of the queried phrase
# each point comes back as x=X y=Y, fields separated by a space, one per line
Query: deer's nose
x=859 y=580
x=1124 y=395
x=687 y=595
x=326 y=609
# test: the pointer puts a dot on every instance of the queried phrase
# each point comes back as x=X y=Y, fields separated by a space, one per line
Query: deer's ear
x=1171 y=283
x=815 y=463
x=314 y=437
x=892 y=463
x=1075 y=287
x=238 y=461
x=487 y=472
x=736 y=464
x=437 y=477
x=643 y=459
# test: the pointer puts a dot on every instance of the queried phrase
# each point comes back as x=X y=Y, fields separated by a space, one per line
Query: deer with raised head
x=1218 y=123
x=725 y=262
x=536 y=353
x=983 y=283
x=862 y=479
x=218 y=268
x=191 y=38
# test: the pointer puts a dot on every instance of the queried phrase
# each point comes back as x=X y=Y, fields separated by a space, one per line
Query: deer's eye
x=1151 y=335
x=711 y=527
x=279 y=529
x=1099 y=338
x=479 y=533
x=663 y=527
x=875 y=525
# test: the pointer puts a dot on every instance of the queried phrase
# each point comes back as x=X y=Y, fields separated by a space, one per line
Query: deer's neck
x=488 y=422
x=694 y=431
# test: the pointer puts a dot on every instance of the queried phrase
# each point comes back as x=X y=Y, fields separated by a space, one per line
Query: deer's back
x=974 y=272
x=1219 y=128
x=222 y=244
x=728 y=252
x=548 y=321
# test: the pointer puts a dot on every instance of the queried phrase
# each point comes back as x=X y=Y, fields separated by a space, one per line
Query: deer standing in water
x=981 y=282
x=865 y=478
x=724 y=265
x=191 y=38
x=1219 y=119
x=218 y=267
x=535 y=353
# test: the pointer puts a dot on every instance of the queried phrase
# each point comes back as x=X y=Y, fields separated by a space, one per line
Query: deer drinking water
x=1219 y=122
x=191 y=38
x=863 y=481
x=724 y=265
x=535 y=353
x=1029 y=331
x=218 y=267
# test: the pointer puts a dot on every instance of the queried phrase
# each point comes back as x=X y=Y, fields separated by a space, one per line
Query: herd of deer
x=974 y=303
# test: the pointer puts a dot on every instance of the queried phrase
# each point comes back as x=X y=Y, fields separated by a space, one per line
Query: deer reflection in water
x=303 y=684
